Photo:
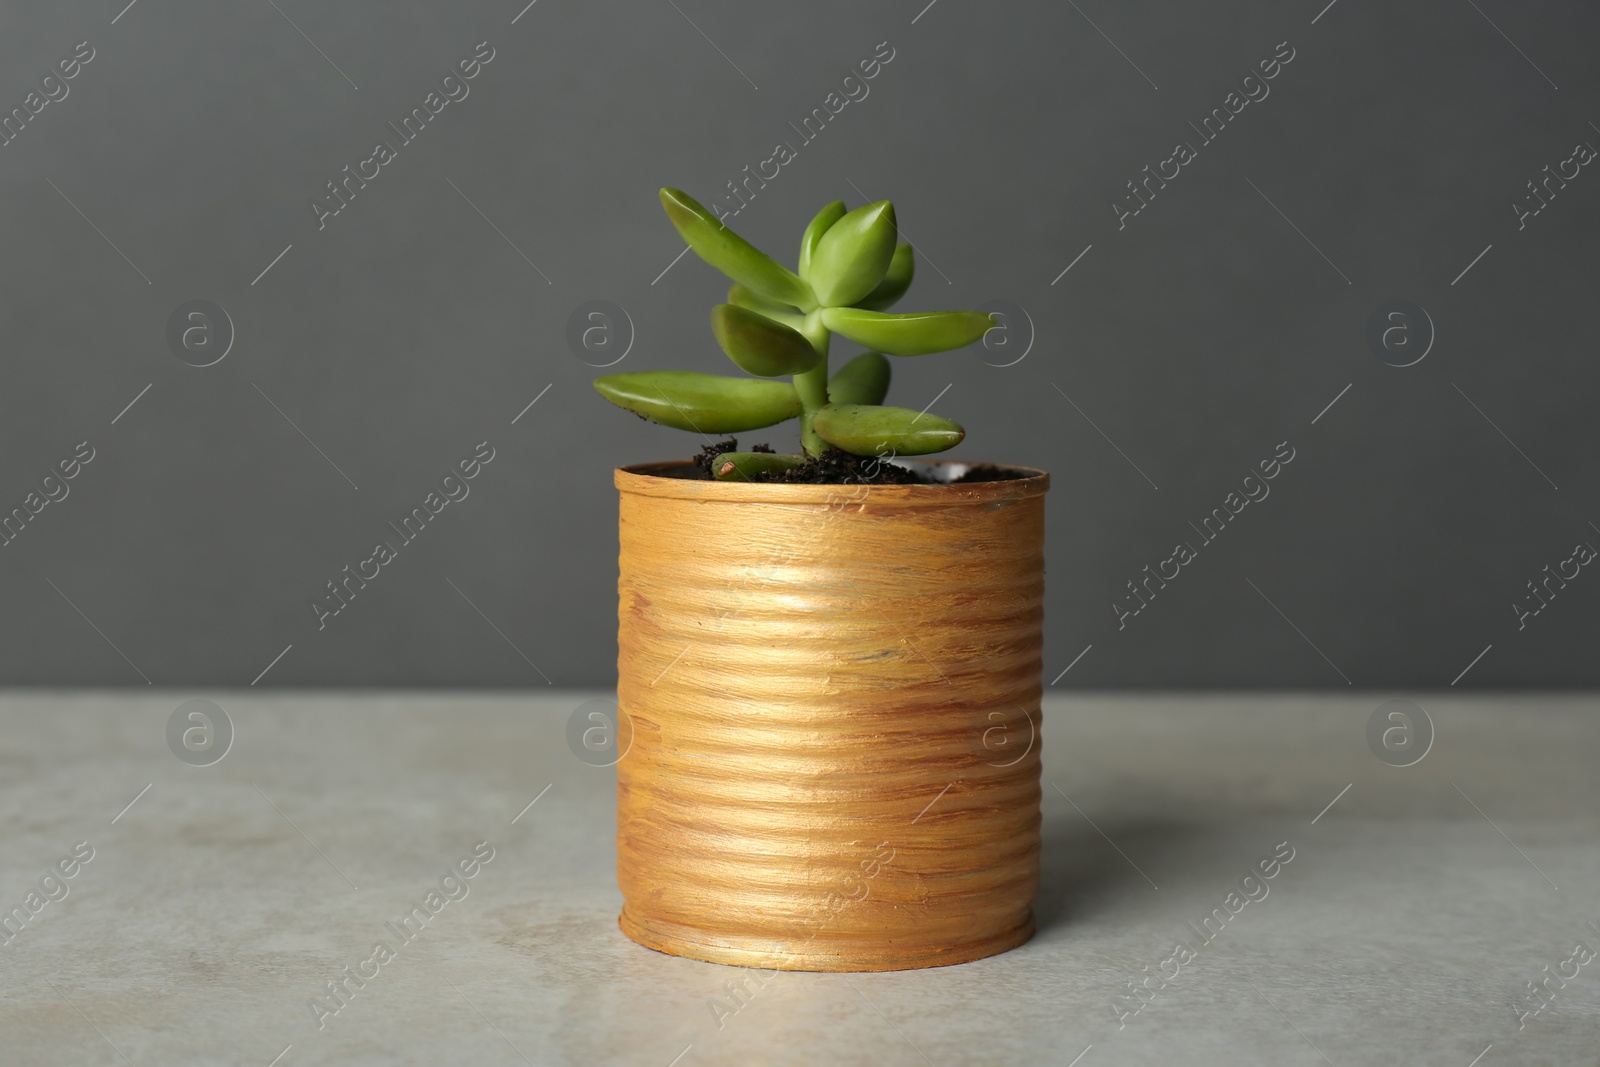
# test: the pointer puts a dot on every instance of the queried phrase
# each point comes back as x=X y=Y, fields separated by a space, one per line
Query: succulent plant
x=779 y=322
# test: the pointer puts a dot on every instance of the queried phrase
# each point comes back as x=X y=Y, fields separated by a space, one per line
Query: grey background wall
x=1182 y=347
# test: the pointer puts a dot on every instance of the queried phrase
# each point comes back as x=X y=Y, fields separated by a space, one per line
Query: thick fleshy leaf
x=869 y=430
x=745 y=297
x=819 y=226
x=864 y=380
x=704 y=403
x=741 y=466
x=894 y=284
x=853 y=255
x=916 y=334
x=732 y=254
x=761 y=345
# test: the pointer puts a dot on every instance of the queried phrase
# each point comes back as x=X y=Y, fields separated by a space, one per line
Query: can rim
x=666 y=479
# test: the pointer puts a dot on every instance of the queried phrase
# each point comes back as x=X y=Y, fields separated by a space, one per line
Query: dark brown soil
x=835 y=467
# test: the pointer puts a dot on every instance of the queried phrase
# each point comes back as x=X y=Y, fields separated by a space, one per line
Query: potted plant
x=828 y=665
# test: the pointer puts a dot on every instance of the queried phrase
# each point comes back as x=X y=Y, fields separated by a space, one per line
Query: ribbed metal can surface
x=833 y=696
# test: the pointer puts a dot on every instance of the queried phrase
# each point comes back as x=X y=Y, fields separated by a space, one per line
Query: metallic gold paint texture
x=815 y=676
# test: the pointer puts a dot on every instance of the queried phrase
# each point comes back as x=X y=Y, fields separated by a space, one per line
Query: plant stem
x=812 y=385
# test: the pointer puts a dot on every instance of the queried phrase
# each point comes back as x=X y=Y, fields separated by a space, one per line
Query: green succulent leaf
x=745 y=297
x=761 y=345
x=819 y=226
x=864 y=380
x=704 y=403
x=852 y=257
x=741 y=466
x=894 y=284
x=916 y=334
x=870 y=430
x=732 y=254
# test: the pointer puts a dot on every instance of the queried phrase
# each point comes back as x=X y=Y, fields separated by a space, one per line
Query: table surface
x=1405 y=929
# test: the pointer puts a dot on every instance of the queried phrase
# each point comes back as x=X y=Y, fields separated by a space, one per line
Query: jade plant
x=778 y=324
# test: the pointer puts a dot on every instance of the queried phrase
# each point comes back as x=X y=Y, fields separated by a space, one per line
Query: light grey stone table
x=1419 y=903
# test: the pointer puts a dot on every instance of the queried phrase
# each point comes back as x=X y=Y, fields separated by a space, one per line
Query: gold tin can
x=832 y=693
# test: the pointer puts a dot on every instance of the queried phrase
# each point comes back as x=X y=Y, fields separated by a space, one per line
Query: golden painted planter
x=833 y=694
